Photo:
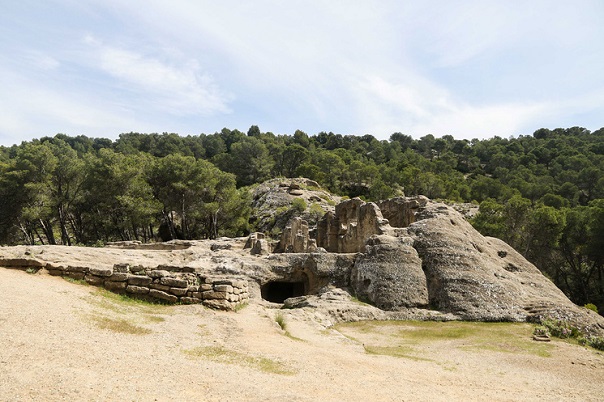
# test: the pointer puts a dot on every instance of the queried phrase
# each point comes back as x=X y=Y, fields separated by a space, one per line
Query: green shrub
x=299 y=205
x=541 y=330
x=596 y=342
x=316 y=211
x=560 y=329
x=591 y=307
x=280 y=211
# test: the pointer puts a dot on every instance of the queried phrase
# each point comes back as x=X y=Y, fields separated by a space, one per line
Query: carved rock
x=389 y=275
x=347 y=230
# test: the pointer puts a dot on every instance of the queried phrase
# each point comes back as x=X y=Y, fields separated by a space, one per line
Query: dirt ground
x=65 y=341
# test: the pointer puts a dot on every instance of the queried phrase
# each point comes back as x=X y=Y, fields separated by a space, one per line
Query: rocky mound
x=406 y=257
x=274 y=206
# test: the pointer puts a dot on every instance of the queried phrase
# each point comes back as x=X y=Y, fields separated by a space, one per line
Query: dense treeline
x=542 y=193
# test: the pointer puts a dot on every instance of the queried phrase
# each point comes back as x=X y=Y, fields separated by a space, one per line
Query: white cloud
x=40 y=60
x=471 y=68
x=417 y=107
x=176 y=86
x=34 y=110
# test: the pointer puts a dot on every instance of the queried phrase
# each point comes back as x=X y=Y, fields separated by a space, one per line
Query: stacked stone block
x=171 y=284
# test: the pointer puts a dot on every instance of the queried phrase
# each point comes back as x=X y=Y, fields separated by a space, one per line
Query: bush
x=560 y=329
x=299 y=205
x=591 y=307
x=541 y=330
x=316 y=211
x=596 y=342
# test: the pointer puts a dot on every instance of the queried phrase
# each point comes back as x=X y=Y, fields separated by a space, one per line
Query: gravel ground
x=65 y=341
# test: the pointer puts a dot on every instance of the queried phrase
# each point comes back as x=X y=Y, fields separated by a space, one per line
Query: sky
x=470 y=69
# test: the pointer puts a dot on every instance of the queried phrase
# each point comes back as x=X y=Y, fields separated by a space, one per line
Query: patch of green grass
x=121 y=303
x=76 y=281
x=154 y=318
x=125 y=299
x=130 y=310
x=240 y=307
x=403 y=351
x=120 y=325
x=280 y=319
x=397 y=338
x=222 y=355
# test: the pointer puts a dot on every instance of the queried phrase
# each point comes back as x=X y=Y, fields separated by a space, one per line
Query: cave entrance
x=278 y=291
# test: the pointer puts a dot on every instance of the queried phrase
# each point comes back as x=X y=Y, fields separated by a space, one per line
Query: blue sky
x=471 y=69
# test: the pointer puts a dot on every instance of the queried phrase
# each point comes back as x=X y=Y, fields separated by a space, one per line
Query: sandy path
x=53 y=347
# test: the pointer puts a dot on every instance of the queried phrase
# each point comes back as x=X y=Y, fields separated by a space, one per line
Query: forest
x=541 y=193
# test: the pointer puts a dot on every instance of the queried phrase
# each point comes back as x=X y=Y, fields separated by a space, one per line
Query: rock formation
x=295 y=238
x=409 y=257
x=389 y=274
x=401 y=211
x=353 y=222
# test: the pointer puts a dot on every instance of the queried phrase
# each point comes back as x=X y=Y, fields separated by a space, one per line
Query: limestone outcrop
x=389 y=274
x=295 y=238
x=272 y=202
x=408 y=257
x=401 y=211
x=347 y=230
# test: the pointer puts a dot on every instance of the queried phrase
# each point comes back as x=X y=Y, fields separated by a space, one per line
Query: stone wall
x=295 y=238
x=169 y=284
x=401 y=211
x=353 y=222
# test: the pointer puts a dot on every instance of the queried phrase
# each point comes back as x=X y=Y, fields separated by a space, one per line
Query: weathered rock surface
x=347 y=230
x=272 y=201
x=295 y=238
x=389 y=274
x=401 y=211
x=423 y=261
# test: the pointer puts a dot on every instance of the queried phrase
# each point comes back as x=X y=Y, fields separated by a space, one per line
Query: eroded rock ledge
x=406 y=257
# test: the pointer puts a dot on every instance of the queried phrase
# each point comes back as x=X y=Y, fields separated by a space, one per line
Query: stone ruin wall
x=164 y=283
x=354 y=221
x=295 y=238
x=400 y=211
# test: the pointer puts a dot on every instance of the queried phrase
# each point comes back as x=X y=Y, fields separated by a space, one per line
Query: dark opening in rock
x=278 y=291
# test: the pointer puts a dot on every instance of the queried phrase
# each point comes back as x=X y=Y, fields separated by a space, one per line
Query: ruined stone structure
x=170 y=284
x=295 y=238
x=401 y=211
x=257 y=244
x=404 y=255
x=353 y=222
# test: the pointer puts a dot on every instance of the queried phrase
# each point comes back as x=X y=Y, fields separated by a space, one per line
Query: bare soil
x=66 y=341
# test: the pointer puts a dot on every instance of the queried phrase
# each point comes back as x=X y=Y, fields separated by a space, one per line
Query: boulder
x=389 y=275
x=484 y=279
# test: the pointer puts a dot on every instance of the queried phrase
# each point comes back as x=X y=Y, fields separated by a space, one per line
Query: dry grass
x=124 y=314
x=120 y=325
x=222 y=355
